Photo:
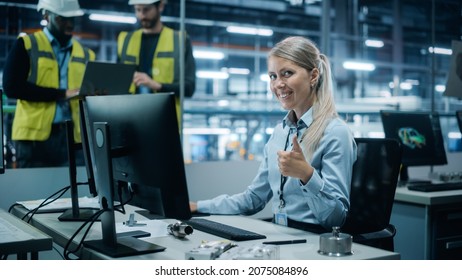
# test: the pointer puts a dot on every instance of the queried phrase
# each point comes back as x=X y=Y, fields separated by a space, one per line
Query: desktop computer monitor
x=136 y=149
x=420 y=135
x=147 y=155
x=2 y=147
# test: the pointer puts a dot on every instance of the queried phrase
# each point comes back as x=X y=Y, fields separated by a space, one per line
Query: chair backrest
x=459 y=119
x=373 y=185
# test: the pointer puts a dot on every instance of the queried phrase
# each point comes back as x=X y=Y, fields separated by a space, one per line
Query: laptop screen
x=106 y=78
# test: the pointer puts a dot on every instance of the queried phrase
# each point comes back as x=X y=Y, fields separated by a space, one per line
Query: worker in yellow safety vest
x=154 y=48
x=43 y=71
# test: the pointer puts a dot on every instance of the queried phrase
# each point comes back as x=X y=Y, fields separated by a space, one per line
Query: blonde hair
x=305 y=54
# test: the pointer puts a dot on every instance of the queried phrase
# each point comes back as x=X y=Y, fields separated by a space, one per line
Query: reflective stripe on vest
x=33 y=120
x=165 y=64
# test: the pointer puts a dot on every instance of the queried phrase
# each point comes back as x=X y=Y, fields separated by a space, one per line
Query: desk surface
x=403 y=194
x=176 y=248
x=20 y=237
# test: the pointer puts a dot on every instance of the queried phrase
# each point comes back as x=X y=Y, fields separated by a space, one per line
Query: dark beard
x=150 y=23
x=147 y=24
x=63 y=39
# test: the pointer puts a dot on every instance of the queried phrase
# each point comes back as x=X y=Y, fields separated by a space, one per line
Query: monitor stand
x=153 y=216
x=81 y=215
x=75 y=213
x=125 y=246
x=149 y=215
x=110 y=245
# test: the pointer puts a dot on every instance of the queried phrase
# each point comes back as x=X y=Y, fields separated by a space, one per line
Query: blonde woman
x=308 y=161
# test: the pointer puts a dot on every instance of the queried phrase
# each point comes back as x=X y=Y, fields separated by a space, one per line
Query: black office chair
x=373 y=186
x=459 y=119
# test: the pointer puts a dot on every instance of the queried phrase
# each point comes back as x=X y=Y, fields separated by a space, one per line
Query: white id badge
x=281 y=218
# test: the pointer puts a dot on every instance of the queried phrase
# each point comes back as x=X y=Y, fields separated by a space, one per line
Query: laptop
x=106 y=78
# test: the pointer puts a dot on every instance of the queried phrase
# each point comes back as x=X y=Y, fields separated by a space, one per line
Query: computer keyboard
x=222 y=230
x=434 y=187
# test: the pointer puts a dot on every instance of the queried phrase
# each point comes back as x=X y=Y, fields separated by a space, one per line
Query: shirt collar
x=54 y=41
x=304 y=122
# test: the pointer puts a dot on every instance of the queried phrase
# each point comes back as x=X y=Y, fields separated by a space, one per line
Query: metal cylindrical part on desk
x=335 y=244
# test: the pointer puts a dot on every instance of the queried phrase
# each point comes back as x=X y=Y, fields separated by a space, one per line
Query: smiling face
x=291 y=84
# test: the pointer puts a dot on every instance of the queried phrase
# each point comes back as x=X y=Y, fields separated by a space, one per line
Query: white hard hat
x=142 y=2
x=64 y=8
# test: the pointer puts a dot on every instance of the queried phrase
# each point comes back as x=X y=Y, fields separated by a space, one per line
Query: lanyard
x=282 y=202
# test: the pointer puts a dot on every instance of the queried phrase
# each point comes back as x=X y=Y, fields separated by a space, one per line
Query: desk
x=428 y=224
x=176 y=248
x=21 y=238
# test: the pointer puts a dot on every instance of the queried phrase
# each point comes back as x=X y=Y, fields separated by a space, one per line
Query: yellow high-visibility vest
x=33 y=120
x=163 y=64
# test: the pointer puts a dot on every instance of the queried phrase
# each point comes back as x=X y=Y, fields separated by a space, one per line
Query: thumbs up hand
x=296 y=147
x=293 y=163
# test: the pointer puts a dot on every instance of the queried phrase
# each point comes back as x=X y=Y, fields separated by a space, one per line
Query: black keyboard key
x=435 y=187
x=222 y=230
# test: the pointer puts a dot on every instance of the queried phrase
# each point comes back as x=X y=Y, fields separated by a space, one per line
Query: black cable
x=122 y=204
x=45 y=202
x=91 y=220
x=12 y=206
x=57 y=251
x=49 y=200
x=88 y=222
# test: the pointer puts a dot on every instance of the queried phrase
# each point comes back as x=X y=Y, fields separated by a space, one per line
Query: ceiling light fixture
x=249 y=30
x=223 y=103
x=454 y=135
x=373 y=43
x=360 y=66
x=113 y=18
x=236 y=71
x=440 y=50
x=208 y=55
x=212 y=75
x=440 y=88
x=264 y=78
x=405 y=86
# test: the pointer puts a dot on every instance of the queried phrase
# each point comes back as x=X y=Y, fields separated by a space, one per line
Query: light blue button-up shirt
x=323 y=200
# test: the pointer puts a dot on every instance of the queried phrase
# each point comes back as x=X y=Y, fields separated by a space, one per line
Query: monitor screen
x=2 y=139
x=420 y=135
x=146 y=149
x=106 y=78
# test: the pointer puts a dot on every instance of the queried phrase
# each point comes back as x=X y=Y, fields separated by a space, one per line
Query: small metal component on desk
x=131 y=221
